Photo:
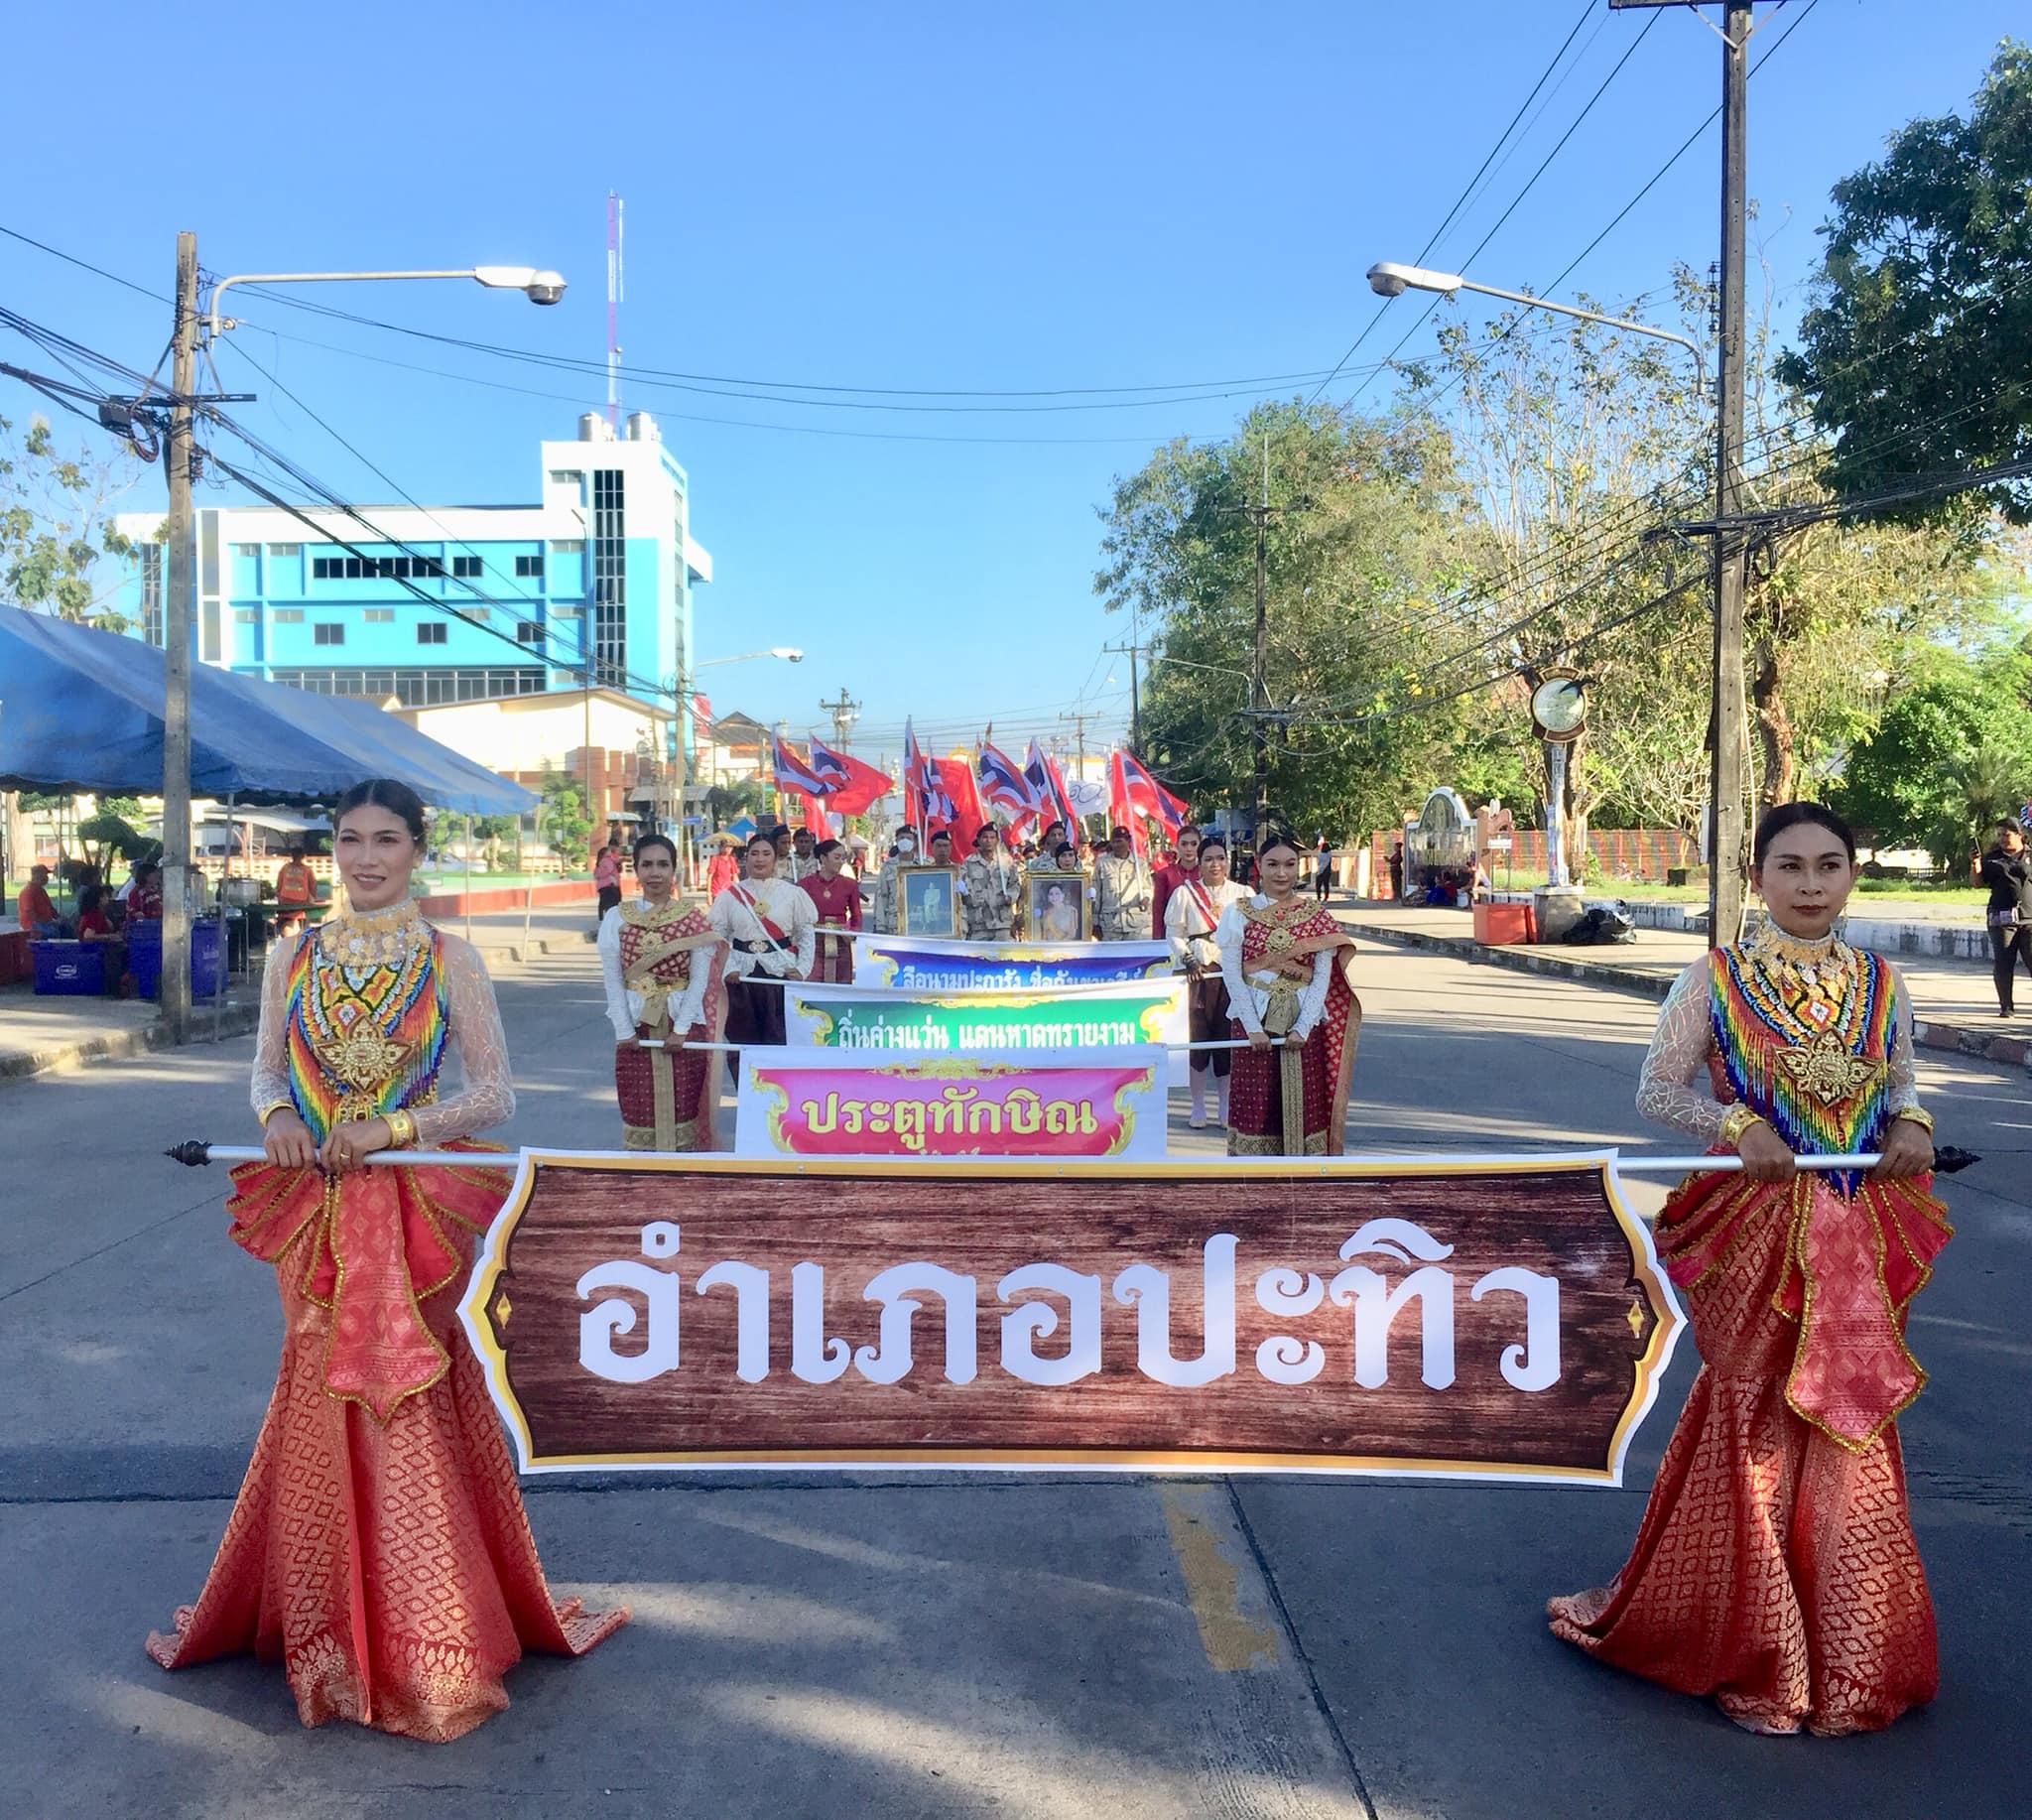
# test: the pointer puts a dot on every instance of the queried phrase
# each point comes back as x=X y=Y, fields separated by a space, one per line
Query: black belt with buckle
x=756 y=948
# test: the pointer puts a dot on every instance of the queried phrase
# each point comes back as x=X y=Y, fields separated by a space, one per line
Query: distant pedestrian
x=296 y=889
x=1397 y=873
x=606 y=879
x=2007 y=871
x=1323 y=869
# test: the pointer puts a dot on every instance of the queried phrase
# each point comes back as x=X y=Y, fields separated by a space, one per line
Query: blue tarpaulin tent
x=82 y=710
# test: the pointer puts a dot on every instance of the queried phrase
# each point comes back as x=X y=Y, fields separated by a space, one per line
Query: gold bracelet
x=401 y=1130
x=1923 y=1120
x=1735 y=1121
x=267 y=1112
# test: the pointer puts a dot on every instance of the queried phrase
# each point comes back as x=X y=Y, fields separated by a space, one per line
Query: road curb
x=1928 y=1033
x=121 y=1045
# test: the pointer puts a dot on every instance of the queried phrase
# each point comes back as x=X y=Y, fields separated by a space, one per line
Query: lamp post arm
x=1596 y=315
x=213 y=323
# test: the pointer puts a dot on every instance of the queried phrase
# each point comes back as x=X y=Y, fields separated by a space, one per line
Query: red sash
x=746 y=898
x=1197 y=891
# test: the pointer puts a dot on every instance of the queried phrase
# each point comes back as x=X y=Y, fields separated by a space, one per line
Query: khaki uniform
x=993 y=900
x=1122 y=895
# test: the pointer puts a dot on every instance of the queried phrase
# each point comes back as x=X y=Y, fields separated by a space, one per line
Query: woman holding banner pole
x=771 y=928
x=1775 y=1568
x=662 y=966
x=378 y=1547
x=1192 y=913
x=1287 y=967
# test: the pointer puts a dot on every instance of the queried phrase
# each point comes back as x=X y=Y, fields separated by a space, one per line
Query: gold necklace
x=373 y=937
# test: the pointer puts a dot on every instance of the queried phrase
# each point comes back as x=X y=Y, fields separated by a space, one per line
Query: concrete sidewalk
x=1953 y=1001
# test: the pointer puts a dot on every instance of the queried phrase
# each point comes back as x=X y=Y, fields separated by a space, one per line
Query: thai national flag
x=833 y=769
x=1134 y=795
x=792 y=772
x=1004 y=787
x=924 y=792
x=1042 y=776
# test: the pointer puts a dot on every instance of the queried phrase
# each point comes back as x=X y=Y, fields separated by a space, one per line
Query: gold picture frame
x=1046 y=922
x=927 y=903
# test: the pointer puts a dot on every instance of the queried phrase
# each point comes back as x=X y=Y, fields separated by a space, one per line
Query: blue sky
x=933 y=197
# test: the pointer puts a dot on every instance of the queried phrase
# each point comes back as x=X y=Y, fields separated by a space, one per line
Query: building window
x=152 y=594
x=528 y=632
x=284 y=549
x=288 y=616
x=567 y=545
x=416 y=688
x=529 y=566
x=328 y=633
x=246 y=616
x=564 y=476
x=379 y=615
x=609 y=576
x=465 y=568
x=431 y=632
x=376 y=569
x=246 y=549
x=480 y=616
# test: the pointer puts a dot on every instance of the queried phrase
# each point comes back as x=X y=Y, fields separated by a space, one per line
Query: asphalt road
x=953 y=1646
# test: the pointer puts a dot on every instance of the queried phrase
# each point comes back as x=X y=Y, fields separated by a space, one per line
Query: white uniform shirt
x=790 y=909
x=1187 y=926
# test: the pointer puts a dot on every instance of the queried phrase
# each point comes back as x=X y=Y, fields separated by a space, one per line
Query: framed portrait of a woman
x=1058 y=909
x=928 y=899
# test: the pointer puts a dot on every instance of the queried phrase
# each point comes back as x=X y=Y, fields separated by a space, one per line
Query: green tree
x=561 y=822
x=1913 y=351
x=55 y=523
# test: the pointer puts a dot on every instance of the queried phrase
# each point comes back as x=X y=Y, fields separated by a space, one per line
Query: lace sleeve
x=1227 y=939
x=271 y=1047
x=611 y=972
x=1678 y=1057
x=486 y=1096
x=1903 y=1082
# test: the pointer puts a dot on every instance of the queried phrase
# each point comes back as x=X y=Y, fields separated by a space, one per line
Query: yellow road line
x=1212 y=1581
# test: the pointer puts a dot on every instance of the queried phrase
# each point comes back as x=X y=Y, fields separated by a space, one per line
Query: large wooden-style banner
x=1067 y=1020
x=1101 y=1103
x=1465 y=1318
x=920 y=964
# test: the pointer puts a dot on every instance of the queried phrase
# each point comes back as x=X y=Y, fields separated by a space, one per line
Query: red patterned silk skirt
x=692 y=1076
x=390 y=1570
x=1775 y=1568
x=1262 y=1083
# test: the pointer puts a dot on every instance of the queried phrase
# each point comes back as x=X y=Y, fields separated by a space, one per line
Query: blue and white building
x=592 y=585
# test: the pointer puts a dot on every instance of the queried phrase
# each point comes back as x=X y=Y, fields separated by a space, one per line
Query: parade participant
x=1181 y=865
x=1067 y=858
x=1047 y=858
x=803 y=861
x=941 y=845
x=296 y=889
x=837 y=903
x=1190 y=920
x=770 y=928
x=2007 y=871
x=378 y=1547
x=991 y=889
x=1775 y=1567
x=1122 y=892
x=884 y=912
x=662 y=968
x=606 y=880
x=1287 y=965
x=720 y=870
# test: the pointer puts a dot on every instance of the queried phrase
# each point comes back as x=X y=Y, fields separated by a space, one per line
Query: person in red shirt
x=145 y=901
x=837 y=901
x=32 y=906
x=1182 y=865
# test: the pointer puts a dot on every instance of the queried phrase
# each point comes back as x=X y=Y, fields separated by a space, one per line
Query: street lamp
x=540 y=287
x=179 y=457
x=1725 y=875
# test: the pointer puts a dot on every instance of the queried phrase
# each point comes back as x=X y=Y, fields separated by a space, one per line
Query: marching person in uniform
x=378 y=1548
x=803 y=863
x=771 y=928
x=1775 y=1568
x=837 y=903
x=1122 y=892
x=991 y=889
x=1045 y=858
x=1190 y=920
x=884 y=912
x=663 y=966
x=1286 y=964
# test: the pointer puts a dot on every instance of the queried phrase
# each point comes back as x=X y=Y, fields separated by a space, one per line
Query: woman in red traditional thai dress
x=1775 y=1568
x=378 y=1548
x=836 y=896
x=1288 y=968
x=661 y=964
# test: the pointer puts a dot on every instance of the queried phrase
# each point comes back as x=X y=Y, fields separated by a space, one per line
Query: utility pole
x=1133 y=651
x=1260 y=515
x=845 y=713
x=1727 y=832
x=178 y=595
x=1728 y=835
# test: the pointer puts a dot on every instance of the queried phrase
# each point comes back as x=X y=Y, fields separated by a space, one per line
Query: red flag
x=853 y=787
x=956 y=779
x=1146 y=796
x=816 y=818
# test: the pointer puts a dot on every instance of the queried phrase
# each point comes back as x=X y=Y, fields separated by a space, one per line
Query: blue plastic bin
x=145 y=958
x=75 y=968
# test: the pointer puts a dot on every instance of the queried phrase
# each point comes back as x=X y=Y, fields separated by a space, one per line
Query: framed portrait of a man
x=928 y=900
x=1057 y=907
